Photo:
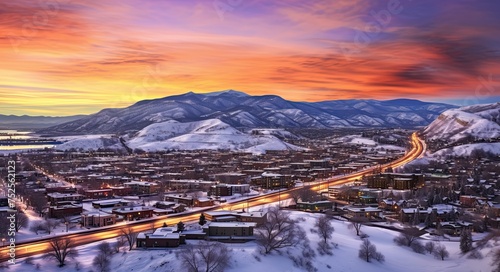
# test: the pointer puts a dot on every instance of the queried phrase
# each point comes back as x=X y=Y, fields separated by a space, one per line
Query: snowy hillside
x=461 y=131
x=90 y=142
x=207 y=134
x=172 y=135
x=480 y=122
x=466 y=150
x=245 y=111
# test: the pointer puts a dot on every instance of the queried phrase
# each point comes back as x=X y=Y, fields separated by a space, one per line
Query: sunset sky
x=65 y=57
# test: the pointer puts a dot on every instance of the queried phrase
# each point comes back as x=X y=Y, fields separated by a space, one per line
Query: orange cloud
x=76 y=57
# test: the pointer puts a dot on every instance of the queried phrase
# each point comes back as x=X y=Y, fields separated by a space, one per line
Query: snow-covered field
x=246 y=257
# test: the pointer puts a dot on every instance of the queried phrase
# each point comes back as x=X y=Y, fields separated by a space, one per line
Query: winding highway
x=38 y=246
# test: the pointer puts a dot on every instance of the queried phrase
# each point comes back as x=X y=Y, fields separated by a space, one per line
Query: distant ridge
x=33 y=122
x=241 y=110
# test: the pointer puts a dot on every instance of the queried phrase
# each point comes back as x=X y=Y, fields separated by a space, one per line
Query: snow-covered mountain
x=460 y=131
x=478 y=123
x=173 y=135
x=240 y=110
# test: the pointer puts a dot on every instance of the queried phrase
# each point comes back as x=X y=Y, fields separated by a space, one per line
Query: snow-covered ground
x=478 y=121
x=88 y=142
x=207 y=134
x=357 y=139
x=246 y=257
x=466 y=150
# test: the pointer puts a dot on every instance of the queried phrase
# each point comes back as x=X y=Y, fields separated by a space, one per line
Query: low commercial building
x=228 y=189
x=314 y=206
x=110 y=203
x=230 y=216
x=363 y=212
x=65 y=210
x=186 y=200
x=230 y=230
x=142 y=188
x=97 y=219
x=161 y=237
x=134 y=213
x=100 y=193
x=273 y=181
x=395 y=181
x=57 y=199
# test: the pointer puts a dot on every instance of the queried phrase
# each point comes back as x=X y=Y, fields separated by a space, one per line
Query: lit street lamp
x=3 y=241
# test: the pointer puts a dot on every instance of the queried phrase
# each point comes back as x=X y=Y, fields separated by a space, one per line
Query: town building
x=395 y=181
x=134 y=213
x=97 y=219
x=161 y=237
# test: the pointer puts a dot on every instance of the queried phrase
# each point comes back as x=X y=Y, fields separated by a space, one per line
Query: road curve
x=38 y=246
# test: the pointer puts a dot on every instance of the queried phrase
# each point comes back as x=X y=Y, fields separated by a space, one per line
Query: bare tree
x=465 y=241
x=189 y=258
x=356 y=223
x=206 y=256
x=216 y=256
x=36 y=227
x=307 y=194
x=101 y=262
x=105 y=249
x=61 y=248
x=38 y=202
x=367 y=251
x=324 y=227
x=120 y=242
x=440 y=252
x=50 y=224
x=496 y=260
x=429 y=247
x=295 y=195
x=130 y=236
x=4 y=221
x=407 y=237
x=279 y=231
x=22 y=221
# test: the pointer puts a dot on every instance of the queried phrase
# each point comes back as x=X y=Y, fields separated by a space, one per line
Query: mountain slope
x=170 y=135
x=207 y=134
x=459 y=132
x=241 y=110
x=478 y=122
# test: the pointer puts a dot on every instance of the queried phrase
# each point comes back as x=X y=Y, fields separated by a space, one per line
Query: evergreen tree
x=465 y=241
x=202 y=221
x=427 y=220
x=453 y=215
x=180 y=226
x=416 y=217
